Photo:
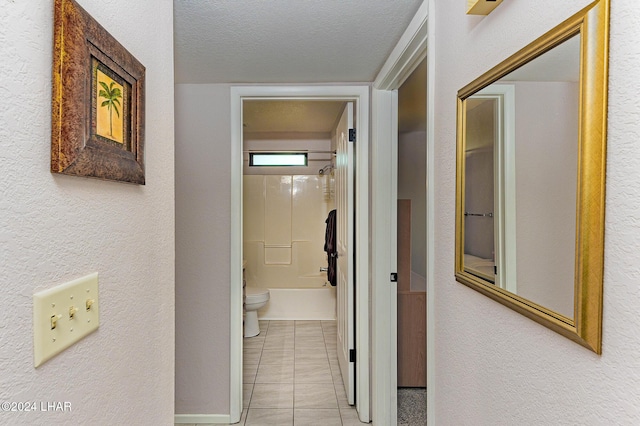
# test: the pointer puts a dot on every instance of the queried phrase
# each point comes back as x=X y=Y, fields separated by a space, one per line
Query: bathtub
x=300 y=304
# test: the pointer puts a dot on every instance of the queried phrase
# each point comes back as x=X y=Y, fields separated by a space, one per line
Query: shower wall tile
x=277 y=255
x=277 y=215
x=284 y=225
x=310 y=209
x=309 y=258
x=254 y=196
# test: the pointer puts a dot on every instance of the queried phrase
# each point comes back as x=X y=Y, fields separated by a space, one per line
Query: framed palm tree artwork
x=97 y=101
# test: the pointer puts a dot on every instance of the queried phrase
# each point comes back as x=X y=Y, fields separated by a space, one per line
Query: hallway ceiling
x=286 y=41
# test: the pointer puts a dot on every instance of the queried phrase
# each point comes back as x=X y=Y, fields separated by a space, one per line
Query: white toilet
x=256 y=298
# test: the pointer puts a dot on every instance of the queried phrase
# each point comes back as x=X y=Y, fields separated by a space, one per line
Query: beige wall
x=500 y=366
x=55 y=228
x=203 y=182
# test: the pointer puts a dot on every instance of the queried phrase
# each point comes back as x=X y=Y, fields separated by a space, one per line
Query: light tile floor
x=291 y=376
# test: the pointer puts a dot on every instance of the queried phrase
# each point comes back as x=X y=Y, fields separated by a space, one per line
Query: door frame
x=416 y=43
x=360 y=95
x=504 y=210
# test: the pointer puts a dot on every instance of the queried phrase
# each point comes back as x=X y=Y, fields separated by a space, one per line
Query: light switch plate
x=64 y=314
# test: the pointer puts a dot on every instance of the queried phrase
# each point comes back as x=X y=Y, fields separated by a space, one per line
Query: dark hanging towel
x=330 y=247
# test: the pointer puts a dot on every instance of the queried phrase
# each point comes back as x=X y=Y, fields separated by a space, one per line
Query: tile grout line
x=266 y=332
x=253 y=385
x=293 y=405
x=325 y=332
x=333 y=382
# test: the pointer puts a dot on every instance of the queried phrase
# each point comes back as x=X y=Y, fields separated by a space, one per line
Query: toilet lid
x=256 y=291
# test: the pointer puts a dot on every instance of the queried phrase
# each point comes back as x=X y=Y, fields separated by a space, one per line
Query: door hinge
x=495 y=270
x=352 y=135
x=394 y=277
x=352 y=355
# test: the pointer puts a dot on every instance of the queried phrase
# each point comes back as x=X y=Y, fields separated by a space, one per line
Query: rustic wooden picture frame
x=95 y=79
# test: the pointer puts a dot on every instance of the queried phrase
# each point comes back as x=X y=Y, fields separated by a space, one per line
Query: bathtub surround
x=284 y=226
x=284 y=231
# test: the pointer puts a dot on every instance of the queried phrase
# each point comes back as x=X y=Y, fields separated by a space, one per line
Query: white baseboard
x=191 y=419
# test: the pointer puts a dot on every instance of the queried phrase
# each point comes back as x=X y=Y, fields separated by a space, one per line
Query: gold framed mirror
x=531 y=146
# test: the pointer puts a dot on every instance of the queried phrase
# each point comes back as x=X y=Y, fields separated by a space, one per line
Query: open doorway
x=292 y=189
x=343 y=95
x=415 y=45
x=412 y=243
x=288 y=190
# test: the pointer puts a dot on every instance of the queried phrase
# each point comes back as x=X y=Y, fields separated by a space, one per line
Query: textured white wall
x=203 y=199
x=55 y=228
x=499 y=366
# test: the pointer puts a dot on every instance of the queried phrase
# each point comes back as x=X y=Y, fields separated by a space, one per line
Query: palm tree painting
x=109 y=120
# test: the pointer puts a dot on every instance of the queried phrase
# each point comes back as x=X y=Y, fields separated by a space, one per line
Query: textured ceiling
x=286 y=41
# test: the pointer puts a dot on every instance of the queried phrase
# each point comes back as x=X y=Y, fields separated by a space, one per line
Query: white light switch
x=63 y=315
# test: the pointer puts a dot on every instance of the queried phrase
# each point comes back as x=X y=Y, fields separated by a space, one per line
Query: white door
x=345 y=265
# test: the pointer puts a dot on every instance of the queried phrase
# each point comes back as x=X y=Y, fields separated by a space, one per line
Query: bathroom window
x=277 y=159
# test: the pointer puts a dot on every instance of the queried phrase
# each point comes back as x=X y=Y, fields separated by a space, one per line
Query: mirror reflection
x=530 y=178
x=520 y=179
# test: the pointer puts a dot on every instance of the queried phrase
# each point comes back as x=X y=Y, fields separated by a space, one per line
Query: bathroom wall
x=55 y=228
x=318 y=145
x=284 y=228
x=500 y=366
